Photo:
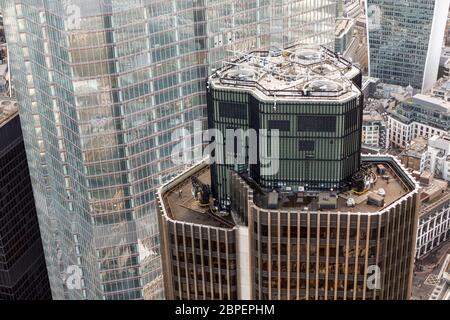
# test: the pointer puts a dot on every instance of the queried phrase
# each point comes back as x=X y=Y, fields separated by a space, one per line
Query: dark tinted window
x=282 y=125
x=306 y=145
x=233 y=110
x=316 y=123
x=351 y=119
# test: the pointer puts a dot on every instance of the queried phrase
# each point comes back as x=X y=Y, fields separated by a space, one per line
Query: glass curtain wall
x=102 y=84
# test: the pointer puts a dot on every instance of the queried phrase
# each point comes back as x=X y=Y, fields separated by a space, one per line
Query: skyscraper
x=405 y=40
x=327 y=224
x=101 y=85
x=23 y=275
x=328 y=153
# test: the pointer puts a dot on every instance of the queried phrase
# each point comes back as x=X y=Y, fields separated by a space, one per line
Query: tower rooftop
x=394 y=180
x=310 y=73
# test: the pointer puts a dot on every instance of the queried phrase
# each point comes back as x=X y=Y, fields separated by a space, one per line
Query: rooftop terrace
x=311 y=73
x=390 y=184
x=182 y=206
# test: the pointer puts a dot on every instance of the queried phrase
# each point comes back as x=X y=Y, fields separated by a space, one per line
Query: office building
x=444 y=62
x=429 y=154
x=369 y=88
x=442 y=289
x=324 y=226
x=375 y=131
x=354 y=39
x=423 y=115
x=447 y=32
x=438 y=157
x=433 y=228
x=414 y=156
x=101 y=87
x=23 y=274
x=348 y=8
x=430 y=167
x=405 y=40
x=329 y=151
x=352 y=9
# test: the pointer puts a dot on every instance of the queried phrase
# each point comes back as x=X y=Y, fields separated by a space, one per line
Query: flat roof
x=183 y=207
x=433 y=101
x=372 y=115
x=437 y=202
x=394 y=188
x=392 y=185
x=8 y=109
x=287 y=74
x=417 y=147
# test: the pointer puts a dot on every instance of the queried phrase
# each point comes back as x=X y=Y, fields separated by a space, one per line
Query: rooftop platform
x=287 y=74
x=181 y=205
x=416 y=148
x=393 y=186
x=395 y=182
x=372 y=116
x=434 y=197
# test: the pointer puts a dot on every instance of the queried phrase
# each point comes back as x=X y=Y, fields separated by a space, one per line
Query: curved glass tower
x=102 y=84
x=405 y=40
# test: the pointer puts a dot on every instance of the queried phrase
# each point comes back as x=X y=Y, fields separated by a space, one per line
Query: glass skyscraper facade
x=23 y=275
x=101 y=85
x=405 y=40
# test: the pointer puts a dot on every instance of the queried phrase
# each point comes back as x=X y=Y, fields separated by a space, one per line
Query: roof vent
x=275 y=51
x=351 y=203
x=308 y=56
x=242 y=74
x=381 y=192
x=323 y=86
x=375 y=199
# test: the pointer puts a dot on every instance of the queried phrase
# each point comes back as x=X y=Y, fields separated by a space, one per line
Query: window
x=316 y=123
x=233 y=110
x=351 y=119
x=306 y=145
x=282 y=125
